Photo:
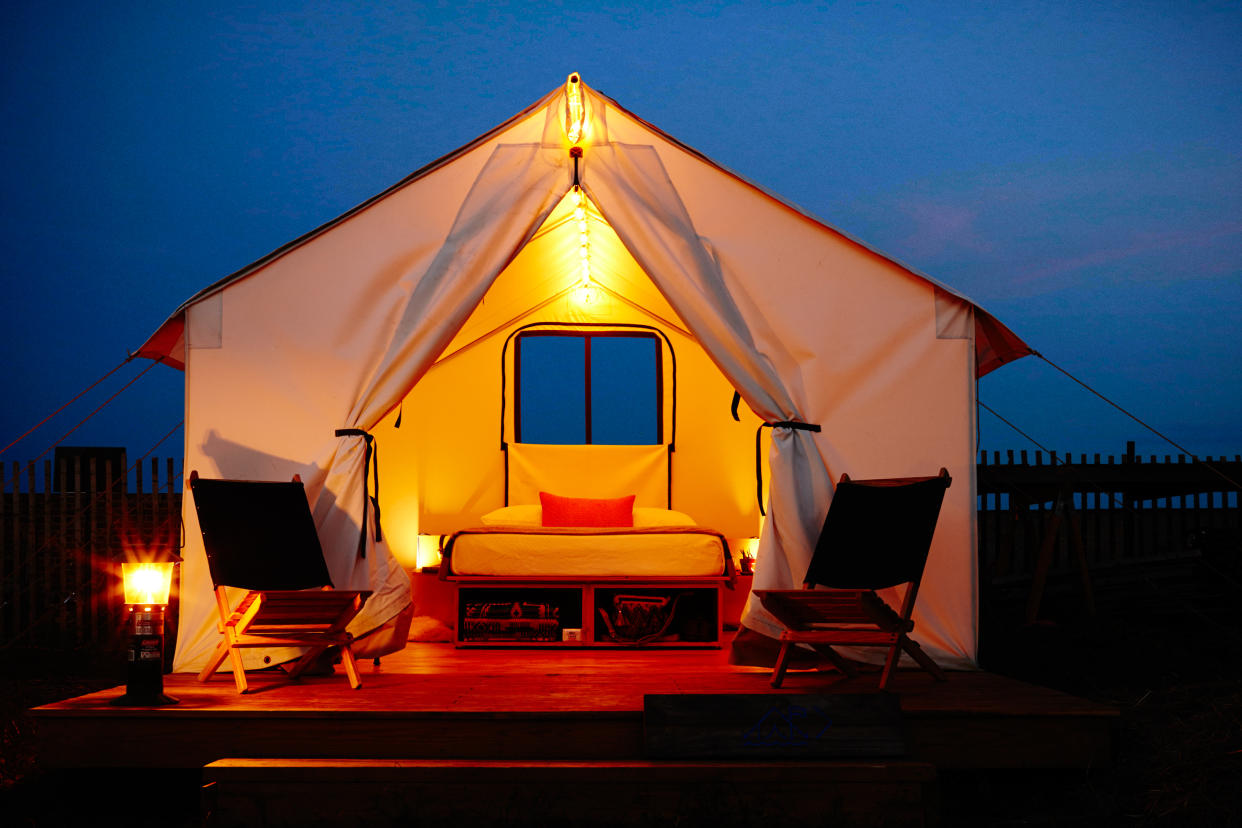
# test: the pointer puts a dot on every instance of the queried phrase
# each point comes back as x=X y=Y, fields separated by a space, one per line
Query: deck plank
x=435 y=702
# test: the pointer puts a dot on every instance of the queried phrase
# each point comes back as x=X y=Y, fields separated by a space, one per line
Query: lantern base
x=143 y=700
x=144 y=686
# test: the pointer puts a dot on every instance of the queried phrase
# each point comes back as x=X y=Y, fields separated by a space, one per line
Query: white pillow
x=644 y=516
x=647 y=516
x=514 y=516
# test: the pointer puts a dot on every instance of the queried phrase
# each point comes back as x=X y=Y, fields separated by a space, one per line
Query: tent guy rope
x=96 y=410
x=66 y=404
x=1132 y=416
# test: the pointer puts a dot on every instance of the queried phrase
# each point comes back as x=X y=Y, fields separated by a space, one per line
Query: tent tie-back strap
x=790 y=424
x=370 y=466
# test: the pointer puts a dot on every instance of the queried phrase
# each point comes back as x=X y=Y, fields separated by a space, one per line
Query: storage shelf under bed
x=655 y=613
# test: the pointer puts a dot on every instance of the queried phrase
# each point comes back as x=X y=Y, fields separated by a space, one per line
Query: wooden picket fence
x=1040 y=517
x=61 y=547
x=1144 y=534
x=1121 y=509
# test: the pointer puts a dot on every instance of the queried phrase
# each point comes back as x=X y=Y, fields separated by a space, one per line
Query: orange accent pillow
x=587 y=511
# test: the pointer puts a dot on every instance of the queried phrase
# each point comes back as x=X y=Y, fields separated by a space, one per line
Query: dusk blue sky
x=1075 y=168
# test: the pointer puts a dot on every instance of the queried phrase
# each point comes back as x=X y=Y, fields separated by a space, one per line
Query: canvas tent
x=396 y=314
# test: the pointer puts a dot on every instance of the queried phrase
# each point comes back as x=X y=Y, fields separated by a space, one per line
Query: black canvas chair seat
x=877 y=535
x=260 y=537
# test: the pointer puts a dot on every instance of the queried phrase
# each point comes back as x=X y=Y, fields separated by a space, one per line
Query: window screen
x=602 y=388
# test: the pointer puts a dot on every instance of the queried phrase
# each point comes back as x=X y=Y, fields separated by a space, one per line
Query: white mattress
x=588 y=553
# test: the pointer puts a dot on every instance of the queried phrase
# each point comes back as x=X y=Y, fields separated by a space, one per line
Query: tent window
x=600 y=388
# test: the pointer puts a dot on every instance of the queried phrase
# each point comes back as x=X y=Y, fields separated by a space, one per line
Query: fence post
x=108 y=536
x=81 y=607
x=9 y=580
x=172 y=537
x=139 y=498
x=15 y=594
x=173 y=511
x=1133 y=526
x=62 y=555
x=29 y=553
x=4 y=544
x=92 y=532
x=157 y=510
x=986 y=552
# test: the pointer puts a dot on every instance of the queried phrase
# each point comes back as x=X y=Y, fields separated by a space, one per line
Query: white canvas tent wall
x=335 y=328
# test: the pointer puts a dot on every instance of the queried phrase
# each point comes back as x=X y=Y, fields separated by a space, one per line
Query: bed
x=587 y=571
x=514 y=542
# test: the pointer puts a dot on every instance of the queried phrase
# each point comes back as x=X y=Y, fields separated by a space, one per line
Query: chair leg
x=782 y=662
x=894 y=652
x=924 y=660
x=239 y=669
x=307 y=659
x=213 y=663
x=836 y=658
x=351 y=667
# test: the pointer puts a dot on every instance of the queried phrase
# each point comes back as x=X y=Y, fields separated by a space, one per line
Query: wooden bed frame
x=697 y=613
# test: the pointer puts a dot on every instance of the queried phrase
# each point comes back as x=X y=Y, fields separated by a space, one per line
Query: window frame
x=587 y=336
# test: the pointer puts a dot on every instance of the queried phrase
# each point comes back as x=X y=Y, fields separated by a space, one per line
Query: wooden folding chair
x=877 y=534
x=260 y=536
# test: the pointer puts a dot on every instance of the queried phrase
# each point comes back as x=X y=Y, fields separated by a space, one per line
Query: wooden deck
x=434 y=702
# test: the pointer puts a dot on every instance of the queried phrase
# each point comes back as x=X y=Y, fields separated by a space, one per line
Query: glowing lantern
x=146 y=586
x=147 y=583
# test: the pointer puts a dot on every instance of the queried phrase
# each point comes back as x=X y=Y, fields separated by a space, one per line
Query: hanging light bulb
x=584 y=240
x=586 y=291
x=575 y=111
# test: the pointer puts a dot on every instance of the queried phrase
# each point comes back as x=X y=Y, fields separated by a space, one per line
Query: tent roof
x=995 y=343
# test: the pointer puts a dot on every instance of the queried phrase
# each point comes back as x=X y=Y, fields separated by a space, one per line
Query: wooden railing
x=61 y=549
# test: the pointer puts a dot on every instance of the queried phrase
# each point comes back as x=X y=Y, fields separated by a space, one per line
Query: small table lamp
x=746 y=557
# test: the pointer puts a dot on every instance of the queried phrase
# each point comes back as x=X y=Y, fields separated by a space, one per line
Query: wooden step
x=265 y=793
